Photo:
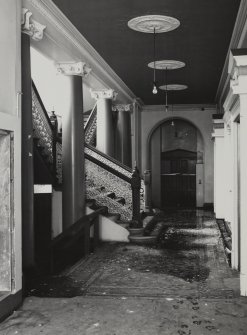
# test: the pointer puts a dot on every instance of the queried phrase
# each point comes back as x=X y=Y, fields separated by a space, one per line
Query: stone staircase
x=108 y=182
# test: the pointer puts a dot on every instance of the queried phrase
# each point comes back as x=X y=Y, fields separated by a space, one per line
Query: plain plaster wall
x=10 y=114
x=179 y=135
x=57 y=218
x=153 y=116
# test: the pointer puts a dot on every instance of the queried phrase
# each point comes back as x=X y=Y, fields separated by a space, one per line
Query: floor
x=181 y=285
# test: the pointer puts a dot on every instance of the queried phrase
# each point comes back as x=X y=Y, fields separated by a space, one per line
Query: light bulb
x=155 y=89
x=172 y=124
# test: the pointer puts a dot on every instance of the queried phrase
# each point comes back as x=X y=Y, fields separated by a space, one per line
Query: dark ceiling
x=201 y=41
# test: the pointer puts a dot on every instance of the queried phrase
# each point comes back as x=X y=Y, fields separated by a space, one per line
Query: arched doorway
x=176 y=165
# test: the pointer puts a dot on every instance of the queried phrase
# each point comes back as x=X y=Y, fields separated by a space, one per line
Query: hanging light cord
x=166 y=87
x=154 y=56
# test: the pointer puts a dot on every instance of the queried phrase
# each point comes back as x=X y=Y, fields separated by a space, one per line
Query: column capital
x=31 y=27
x=138 y=102
x=122 y=108
x=73 y=69
x=238 y=70
x=103 y=94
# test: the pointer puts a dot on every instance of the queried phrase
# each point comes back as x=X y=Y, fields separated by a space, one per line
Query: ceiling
x=201 y=41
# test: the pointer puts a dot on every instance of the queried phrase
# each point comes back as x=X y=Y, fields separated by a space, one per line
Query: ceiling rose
x=173 y=87
x=147 y=23
x=166 y=64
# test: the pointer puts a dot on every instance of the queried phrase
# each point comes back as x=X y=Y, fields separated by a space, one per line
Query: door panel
x=178 y=179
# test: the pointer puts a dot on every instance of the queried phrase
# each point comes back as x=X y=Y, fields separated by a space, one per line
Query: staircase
x=108 y=182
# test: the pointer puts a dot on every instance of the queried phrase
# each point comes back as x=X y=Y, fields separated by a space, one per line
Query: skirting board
x=9 y=304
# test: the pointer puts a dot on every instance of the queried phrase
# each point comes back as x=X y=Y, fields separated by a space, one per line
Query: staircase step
x=120 y=200
x=143 y=239
x=99 y=188
x=110 y=195
x=136 y=231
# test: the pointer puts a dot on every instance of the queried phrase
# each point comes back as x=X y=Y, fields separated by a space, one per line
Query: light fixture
x=153 y=24
x=171 y=87
x=155 y=91
x=166 y=105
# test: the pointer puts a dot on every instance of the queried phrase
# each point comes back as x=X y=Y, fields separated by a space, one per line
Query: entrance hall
x=123 y=167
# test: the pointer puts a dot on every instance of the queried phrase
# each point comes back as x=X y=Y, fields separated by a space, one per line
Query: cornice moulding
x=238 y=36
x=230 y=101
x=202 y=108
x=58 y=21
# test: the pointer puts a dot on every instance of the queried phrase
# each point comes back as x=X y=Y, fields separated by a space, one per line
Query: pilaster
x=238 y=70
x=30 y=29
x=219 y=181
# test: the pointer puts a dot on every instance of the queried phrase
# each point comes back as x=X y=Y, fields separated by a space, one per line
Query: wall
x=201 y=118
x=44 y=71
x=180 y=135
x=57 y=220
x=10 y=118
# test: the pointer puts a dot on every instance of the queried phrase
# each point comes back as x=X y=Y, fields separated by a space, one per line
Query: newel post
x=136 y=187
x=53 y=119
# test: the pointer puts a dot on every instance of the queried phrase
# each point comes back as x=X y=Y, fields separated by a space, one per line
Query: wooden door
x=178 y=178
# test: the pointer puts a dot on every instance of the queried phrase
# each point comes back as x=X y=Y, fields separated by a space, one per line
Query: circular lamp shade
x=166 y=64
x=147 y=23
x=173 y=87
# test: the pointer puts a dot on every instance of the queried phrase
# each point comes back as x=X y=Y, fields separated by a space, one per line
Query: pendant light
x=166 y=105
x=155 y=91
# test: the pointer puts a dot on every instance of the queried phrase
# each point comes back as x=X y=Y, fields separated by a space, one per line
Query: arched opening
x=177 y=171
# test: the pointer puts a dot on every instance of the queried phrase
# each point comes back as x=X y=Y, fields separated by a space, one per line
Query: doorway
x=177 y=165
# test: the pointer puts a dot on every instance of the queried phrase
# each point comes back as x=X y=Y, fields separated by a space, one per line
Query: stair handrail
x=90 y=116
x=90 y=127
x=41 y=104
x=43 y=127
x=108 y=163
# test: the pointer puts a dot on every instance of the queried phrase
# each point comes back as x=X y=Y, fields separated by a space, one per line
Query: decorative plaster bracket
x=122 y=108
x=31 y=27
x=218 y=128
x=238 y=71
x=104 y=94
x=73 y=69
